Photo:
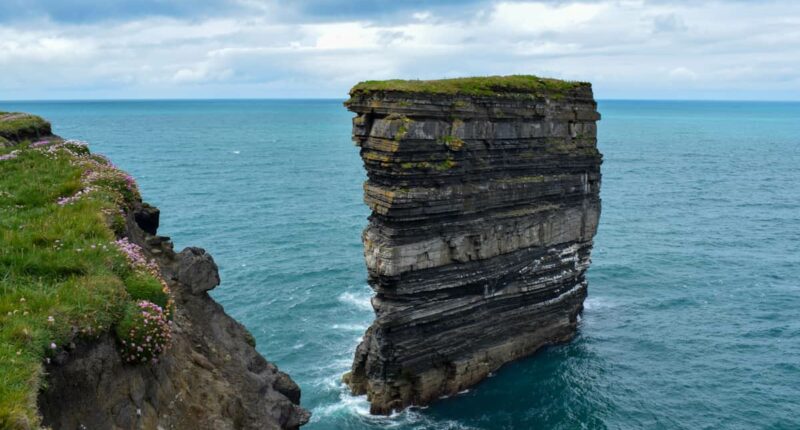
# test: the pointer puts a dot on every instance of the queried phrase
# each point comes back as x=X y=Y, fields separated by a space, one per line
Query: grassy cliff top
x=65 y=271
x=19 y=126
x=474 y=86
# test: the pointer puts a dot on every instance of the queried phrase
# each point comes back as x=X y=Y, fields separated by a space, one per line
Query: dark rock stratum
x=485 y=199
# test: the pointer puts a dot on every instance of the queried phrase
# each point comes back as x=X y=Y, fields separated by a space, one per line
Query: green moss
x=527 y=155
x=417 y=165
x=401 y=132
x=403 y=129
x=17 y=126
x=569 y=147
x=452 y=142
x=248 y=337
x=474 y=86
x=444 y=165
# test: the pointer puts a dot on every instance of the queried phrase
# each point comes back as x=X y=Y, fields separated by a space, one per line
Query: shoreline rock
x=211 y=377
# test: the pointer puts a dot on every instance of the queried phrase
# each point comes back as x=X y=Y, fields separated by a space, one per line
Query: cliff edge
x=485 y=199
x=81 y=251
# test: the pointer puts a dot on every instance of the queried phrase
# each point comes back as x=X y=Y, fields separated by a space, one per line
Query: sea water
x=692 y=316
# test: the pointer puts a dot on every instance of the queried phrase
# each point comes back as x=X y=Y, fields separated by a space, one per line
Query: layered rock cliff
x=209 y=377
x=485 y=199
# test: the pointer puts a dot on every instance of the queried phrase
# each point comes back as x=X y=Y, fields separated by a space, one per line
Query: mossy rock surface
x=474 y=86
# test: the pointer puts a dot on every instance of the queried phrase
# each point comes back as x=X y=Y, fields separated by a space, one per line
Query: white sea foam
x=595 y=303
x=359 y=300
x=358 y=407
x=350 y=327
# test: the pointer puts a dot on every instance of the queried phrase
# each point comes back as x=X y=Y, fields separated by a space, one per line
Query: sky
x=628 y=49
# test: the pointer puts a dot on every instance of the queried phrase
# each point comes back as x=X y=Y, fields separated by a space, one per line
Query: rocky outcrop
x=485 y=199
x=16 y=127
x=211 y=377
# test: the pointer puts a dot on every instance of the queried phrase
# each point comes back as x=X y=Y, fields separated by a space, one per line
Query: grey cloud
x=668 y=23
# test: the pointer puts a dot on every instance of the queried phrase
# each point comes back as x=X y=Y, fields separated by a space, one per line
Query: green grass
x=14 y=126
x=143 y=287
x=475 y=86
x=55 y=261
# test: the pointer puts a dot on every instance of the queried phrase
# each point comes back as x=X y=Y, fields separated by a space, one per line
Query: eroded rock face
x=483 y=212
x=211 y=377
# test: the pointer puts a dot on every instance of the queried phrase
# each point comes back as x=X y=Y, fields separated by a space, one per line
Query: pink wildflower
x=10 y=156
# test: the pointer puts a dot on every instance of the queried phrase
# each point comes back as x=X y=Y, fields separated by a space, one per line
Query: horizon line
x=100 y=100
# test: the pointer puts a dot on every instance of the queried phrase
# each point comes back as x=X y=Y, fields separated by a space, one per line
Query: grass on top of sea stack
x=473 y=86
x=62 y=273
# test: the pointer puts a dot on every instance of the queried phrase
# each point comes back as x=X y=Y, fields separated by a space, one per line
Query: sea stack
x=485 y=198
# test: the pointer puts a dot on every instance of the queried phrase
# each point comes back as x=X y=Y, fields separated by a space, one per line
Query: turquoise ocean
x=693 y=314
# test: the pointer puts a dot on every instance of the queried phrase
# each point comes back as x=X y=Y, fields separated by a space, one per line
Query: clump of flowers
x=145 y=281
x=39 y=144
x=144 y=332
x=62 y=201
x=76 y=147
x=99 y=172
x=136 y=258
x=10 y=156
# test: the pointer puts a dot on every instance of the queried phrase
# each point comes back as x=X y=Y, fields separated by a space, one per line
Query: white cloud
x=348 y=35
x=626 y=48
x=543 y=17
x=201 y=73
x=682 y=73
x=421 y=16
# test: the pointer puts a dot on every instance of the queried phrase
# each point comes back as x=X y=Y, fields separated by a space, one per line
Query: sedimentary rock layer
x=485 y=198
